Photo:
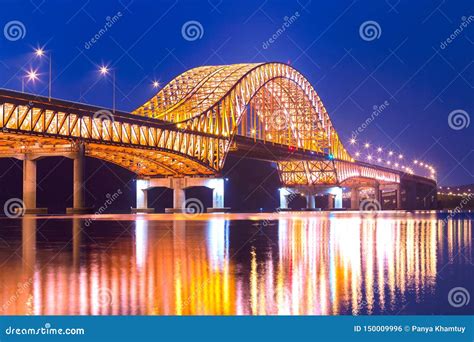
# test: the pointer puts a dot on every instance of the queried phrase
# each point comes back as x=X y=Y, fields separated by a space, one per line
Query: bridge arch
x=269 y=102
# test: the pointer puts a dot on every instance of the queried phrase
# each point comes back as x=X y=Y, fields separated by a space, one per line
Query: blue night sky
x=405 y=66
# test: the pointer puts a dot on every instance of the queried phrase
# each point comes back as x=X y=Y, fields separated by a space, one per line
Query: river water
x=238 y=264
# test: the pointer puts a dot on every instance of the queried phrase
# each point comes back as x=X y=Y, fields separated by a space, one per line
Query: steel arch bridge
x=190 y=126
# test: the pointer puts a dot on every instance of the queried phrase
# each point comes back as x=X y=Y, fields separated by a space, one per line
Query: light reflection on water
x=319 y=264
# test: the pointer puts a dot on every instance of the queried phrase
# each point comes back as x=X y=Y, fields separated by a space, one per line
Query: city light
x=156 y=84
x=32 y=75
x=366 y=145
x=104 y=70
x=352 y=141
x=39 y=52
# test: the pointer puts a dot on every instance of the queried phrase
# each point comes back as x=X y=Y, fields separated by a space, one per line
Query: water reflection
x=321 y=265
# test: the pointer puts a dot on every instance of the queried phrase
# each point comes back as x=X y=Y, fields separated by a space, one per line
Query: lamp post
x=41 y=53
x=105 y=71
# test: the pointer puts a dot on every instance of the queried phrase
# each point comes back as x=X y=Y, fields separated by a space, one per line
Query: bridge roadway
x=170 y=154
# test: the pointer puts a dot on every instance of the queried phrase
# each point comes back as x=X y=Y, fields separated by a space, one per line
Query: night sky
x=409 y=65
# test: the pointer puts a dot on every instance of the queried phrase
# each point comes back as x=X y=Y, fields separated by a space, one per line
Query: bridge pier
x=78 y=204
x=29 y=188
x=284 y=193
x=142 y=197
x=310 y=202
x=355 y=198
x=179 y=185
x=335 y=198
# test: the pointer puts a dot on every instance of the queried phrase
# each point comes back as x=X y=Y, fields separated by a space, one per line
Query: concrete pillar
x=78 y=202
x=338 y=198
x=29 y=185
x=355 y=199
x=284 y=193
x=78 y=186
x=377 y=196
x=331 y=201
x=179 y=197
x=399 y=197
x=218 y=194
x=142 y=197
x=310 y=204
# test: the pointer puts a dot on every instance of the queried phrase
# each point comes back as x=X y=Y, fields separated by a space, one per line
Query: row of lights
x=32 y=75
x=447 y=191
x=397 y=163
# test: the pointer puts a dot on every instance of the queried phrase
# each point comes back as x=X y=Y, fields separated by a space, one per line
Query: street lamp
x=104 y=70
x=39 y=52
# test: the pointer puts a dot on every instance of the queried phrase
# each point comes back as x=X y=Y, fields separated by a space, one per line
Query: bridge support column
x=29 y=188
x=284 y=193
x=310 y=203
x=218 y=195
x=142 y=197
x=377 y=196
x=335 y=198
x=355 y=199
x=78 y=206
x=399 y=196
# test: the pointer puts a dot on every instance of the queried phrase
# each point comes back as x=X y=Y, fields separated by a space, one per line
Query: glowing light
x=156 y=84
x=352 y=141
x=39 y=52
x=357 y=154
x=104 y=70
x=379 y=160
x=369 y=157
x=390 y=153
x=366 y=145
x=400 y=156
x=379 y=149
x=32 y=75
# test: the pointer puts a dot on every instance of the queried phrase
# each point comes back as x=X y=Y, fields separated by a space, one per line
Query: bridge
x=181 y=137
